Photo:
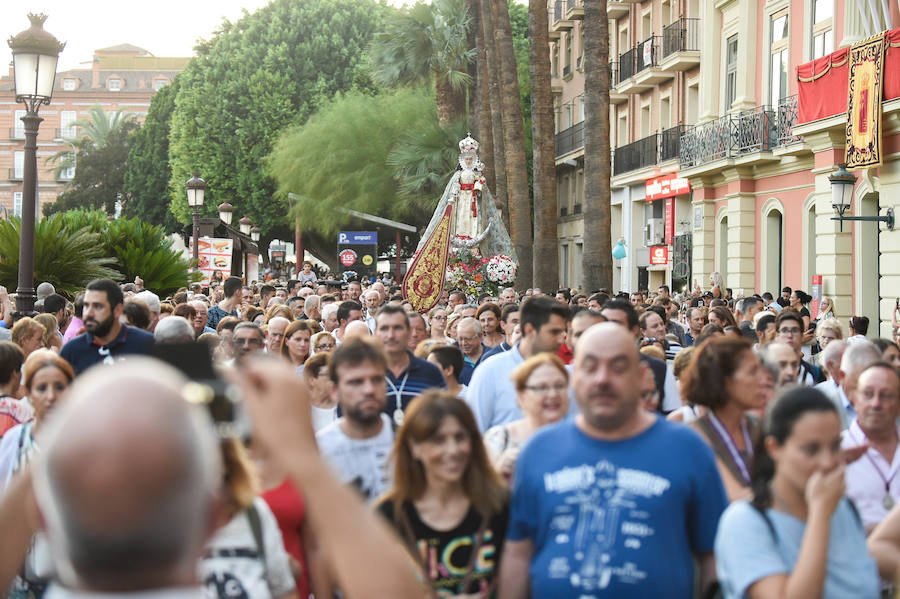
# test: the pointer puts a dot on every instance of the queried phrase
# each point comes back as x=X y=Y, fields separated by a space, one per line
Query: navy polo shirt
x=419 y=376
x=82 y=352
x=469 y=366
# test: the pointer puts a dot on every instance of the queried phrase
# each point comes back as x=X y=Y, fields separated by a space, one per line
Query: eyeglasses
x=438 y=318
x=323 y=346
x=791 y=331
x=467 y=339
x=544 y=389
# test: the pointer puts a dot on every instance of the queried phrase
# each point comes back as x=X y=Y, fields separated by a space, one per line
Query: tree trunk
x=451 y=103
x=546 y=260
x=597 y=258
x=514 y=145
x=492 y=77
x=472 y=95
x=481 y=106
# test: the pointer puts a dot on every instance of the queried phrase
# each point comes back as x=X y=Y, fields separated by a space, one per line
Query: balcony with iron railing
x=570 y=140
x=681 y=45
x=636 y=155
x=639 y=67
x=760 y=132
x=669 y=142
x=614 y=96
x=574 y=9
x=560 y=22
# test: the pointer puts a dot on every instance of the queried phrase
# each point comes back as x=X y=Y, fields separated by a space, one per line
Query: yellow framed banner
x=864 y=90
x=424 y=280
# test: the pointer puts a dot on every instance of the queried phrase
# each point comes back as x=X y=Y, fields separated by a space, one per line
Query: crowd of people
x=523 y=444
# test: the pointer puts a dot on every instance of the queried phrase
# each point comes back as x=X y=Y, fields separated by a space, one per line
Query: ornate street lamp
x=254 y=234
x=225 y=212
x=35 y=54
x=842 y=184
x=196 y=189
x=245 y=225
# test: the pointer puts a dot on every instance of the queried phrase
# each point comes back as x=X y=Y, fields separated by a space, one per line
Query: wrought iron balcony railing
x=733 y=135
x=638 y=154
x=627 y=65
x=786 y=118
x=681 y=36
x=669 y=142
x=571 y=139
x=647 y=54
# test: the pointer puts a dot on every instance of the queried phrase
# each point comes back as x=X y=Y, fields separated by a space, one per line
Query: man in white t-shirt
x=358 y=444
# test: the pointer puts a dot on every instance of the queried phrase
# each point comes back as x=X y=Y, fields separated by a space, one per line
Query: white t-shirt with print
x=361 y=463
x=232 y=566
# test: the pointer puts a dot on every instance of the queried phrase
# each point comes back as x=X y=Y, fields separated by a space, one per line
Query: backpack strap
x=256 y=529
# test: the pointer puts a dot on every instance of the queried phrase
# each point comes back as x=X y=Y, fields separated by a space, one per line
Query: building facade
x=122 y=77
x=712 y=169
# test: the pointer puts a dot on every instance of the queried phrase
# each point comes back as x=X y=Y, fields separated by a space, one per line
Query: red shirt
x=565 y=354
x=287 y=504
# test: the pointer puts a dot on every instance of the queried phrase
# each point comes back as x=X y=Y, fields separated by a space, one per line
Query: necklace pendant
x=398 y=419
x=888 y=501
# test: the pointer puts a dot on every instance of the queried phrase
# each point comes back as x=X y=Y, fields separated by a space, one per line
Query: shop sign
x=659 y=255
x=667 y=186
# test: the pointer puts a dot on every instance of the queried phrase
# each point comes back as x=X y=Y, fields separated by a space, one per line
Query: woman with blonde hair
x=448 y=504
x=323 y=342
x=28 y=334
x=450 y=331
x=542 y=392
x=246 y=555
x=717 y=284
x=51 y=338
x=437 y=323
x=279 y=310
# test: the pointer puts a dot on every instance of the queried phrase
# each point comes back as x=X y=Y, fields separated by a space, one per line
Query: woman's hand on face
x=825 y=489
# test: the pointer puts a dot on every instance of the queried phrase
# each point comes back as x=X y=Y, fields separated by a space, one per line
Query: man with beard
x=358 y=445
x=105 y=338
x=492 y=395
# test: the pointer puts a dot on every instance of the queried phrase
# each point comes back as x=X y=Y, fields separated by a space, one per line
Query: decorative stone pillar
x=745 y=91
x=703 y=252
x=710 y=60
x=741 y=241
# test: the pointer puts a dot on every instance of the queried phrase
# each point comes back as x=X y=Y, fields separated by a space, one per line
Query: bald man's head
x=128 y=480
x=606 y=378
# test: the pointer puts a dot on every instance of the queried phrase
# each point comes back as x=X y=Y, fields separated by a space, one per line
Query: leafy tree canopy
x=100 y=174
x=267 y=71
x=147 y=173
x=355 y=151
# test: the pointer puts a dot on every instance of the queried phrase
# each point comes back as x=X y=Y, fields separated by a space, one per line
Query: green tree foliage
x=267 y=71
x=137 y=247
x=339 y=159
x=65 y=256
x=427 y=43
x=100 y=175
x=147 y=173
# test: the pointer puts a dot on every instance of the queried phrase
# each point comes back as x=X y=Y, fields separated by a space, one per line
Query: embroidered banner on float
x=424 y=280
x=866 y=72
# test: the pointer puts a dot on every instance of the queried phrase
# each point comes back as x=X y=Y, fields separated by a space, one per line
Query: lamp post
x=225 y=212
x=35 y=54
x=254 y=234
x=196 y=189
x=245 y=225
x=842 y=184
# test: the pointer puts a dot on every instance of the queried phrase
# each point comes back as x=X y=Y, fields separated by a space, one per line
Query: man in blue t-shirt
x=617 y=502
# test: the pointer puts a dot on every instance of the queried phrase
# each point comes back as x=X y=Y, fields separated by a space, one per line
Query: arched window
x=772 y=246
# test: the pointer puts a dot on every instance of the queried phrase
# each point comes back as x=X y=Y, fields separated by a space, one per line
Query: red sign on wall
x=659 y=255
x=670 y=220
x=667 y=186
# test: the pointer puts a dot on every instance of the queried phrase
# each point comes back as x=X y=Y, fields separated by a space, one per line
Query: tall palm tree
x=597 y=258
x=427 y=42
x=492 y=76
x=546 y=263
x=514 y=144
x=93 y=131
x=481 y=114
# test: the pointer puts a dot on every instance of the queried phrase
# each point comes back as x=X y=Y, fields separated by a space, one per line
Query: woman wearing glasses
x=437 y=322
x=542 y=389
x=323 y=342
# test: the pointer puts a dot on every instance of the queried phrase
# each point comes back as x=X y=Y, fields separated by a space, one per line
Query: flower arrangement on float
x=474 y=274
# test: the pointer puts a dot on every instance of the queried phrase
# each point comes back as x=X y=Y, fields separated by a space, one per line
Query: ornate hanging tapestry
x=864 y=89
x=424 y=281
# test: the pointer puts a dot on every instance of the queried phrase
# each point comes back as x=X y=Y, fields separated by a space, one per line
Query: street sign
x=348 y=258
x=358 y=252
x=659 y=255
